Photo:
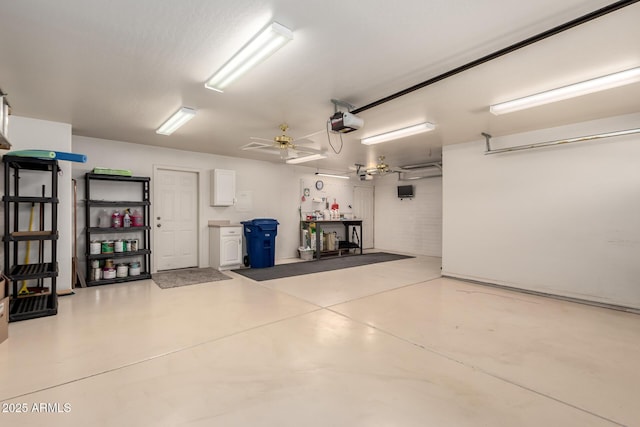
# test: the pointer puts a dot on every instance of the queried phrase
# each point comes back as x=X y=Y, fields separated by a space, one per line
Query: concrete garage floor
x=389 y=344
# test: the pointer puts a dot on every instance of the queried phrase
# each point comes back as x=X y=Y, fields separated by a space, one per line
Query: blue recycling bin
x=260 y=235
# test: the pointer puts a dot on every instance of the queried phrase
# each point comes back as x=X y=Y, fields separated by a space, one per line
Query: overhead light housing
x=304 y=159
x=180 y=117
x=265 y=43
x=399 y=133
x=332 y=175
x=344 y=122
x=577 y=89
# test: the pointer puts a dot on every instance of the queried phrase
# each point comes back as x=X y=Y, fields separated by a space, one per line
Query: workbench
x=344 y=245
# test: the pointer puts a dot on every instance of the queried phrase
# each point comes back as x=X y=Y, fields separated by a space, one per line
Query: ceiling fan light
x=598 y=84
x=399 y=133
x=179 y=118
x=265 y=43
x=305 y=159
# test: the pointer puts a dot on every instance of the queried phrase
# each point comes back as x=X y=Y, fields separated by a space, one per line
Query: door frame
x=154 y=196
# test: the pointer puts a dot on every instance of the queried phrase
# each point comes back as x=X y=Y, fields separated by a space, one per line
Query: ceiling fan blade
x=255 y=138
x=303 y=141
x=274 y=152
x=307 y=136
x=309 y=150
x=262 y=148
x=295 y=153
x=256 y=145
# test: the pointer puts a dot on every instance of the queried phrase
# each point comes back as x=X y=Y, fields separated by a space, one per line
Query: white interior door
x=363 y=209
x=176 y=219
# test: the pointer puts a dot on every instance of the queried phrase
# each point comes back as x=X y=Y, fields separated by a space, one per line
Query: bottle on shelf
x=126 y=220
x=335 y=210
x=116 y=219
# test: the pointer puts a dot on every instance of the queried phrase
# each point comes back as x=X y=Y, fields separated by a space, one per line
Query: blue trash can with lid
x=260 y=235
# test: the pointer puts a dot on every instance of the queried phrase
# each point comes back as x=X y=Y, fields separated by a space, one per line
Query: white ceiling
x=117 y=69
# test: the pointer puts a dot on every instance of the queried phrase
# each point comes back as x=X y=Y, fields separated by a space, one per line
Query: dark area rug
x=308 y=267
x=187 y=276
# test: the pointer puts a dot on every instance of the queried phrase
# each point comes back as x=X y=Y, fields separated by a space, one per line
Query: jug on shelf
x=136 y=218
x=104 y=220
x=116 y=219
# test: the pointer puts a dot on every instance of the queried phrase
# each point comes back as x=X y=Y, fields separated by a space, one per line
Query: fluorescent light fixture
x=172 y=124
x=400 y=133
x=272 y=38
x=332 y=175
x=578 y=89
x=303 y=159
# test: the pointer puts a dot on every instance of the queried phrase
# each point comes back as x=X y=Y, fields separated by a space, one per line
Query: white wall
x=274 y=188
x=563 y=220
x=24 y=134
x=409 y=225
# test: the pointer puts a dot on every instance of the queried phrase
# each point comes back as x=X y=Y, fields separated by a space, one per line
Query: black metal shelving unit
x=43 y=301
x=144 y=251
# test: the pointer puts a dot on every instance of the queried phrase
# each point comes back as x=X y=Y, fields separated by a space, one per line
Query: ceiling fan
x=382 y=168
x=283 y=145
x=405 y=173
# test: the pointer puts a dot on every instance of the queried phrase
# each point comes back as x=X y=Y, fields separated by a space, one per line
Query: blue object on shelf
x=48 y=154
x=71 y=157
x=260 y=235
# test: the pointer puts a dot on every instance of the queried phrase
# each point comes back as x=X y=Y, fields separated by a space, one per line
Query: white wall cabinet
x=225 y=250
x=223 y=187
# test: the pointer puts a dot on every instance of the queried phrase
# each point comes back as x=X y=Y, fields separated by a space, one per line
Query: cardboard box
x=4 y=310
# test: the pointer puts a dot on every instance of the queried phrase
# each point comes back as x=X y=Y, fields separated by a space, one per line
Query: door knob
x=159 y=225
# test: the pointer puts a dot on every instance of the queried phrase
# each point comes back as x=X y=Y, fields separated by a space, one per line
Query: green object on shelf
x=107 y=171
x=46 y=154
x=40 y=154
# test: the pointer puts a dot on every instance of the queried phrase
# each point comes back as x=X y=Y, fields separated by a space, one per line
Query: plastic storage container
x=306 y=254
x=260 y=235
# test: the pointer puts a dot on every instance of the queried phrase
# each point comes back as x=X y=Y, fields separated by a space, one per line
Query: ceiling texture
x=118 y=69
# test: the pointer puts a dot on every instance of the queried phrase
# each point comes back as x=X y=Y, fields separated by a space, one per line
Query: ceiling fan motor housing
x=283 y=139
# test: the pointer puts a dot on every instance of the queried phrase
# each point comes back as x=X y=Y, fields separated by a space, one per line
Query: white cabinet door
x=225 y=250
x=223 y=187
x=230 y=250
